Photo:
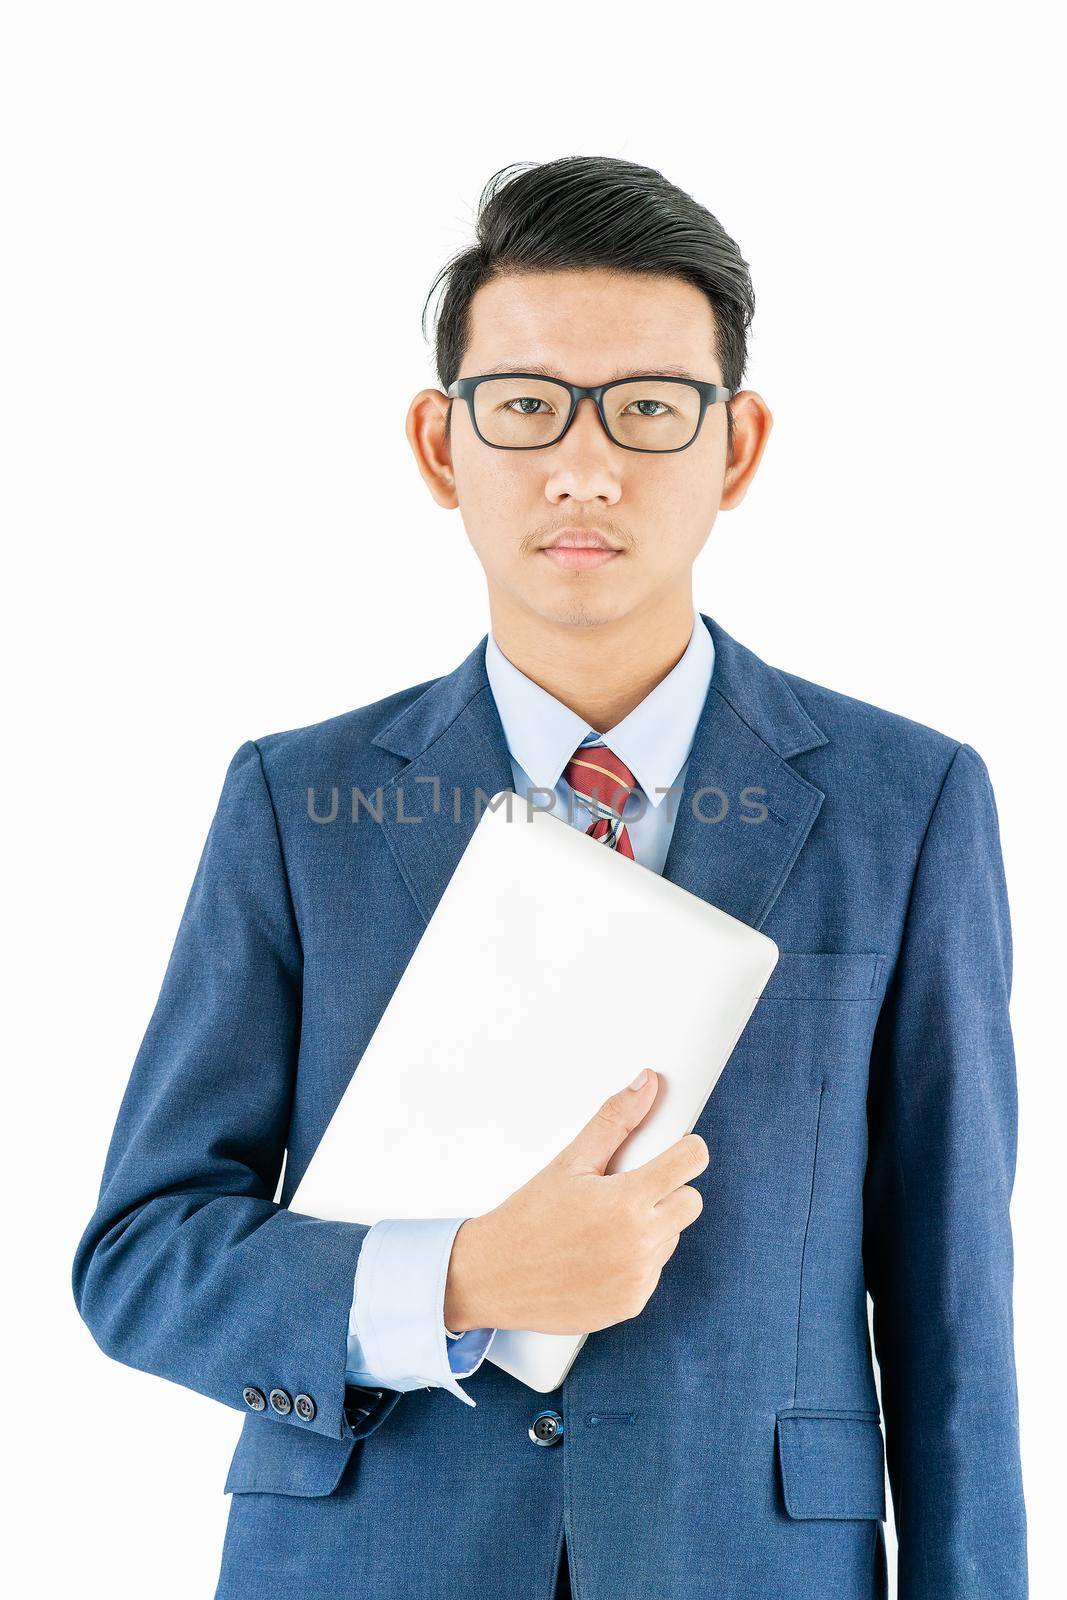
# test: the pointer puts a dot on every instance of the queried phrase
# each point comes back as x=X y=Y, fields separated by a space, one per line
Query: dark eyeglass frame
x=710 y=394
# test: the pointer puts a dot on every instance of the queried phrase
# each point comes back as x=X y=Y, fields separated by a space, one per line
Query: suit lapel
x=751 y=724
x=744 y=813
x=457 y=759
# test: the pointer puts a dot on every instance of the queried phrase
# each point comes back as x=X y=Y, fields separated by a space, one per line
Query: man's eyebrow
x=632 y=372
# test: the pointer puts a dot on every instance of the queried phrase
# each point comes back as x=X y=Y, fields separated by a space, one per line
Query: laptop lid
x=551 y=971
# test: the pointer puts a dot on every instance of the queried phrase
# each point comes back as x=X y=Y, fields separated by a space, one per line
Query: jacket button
x=281 y=1402
x=547 y=1428
x=305 y=1407
x=254 y=1398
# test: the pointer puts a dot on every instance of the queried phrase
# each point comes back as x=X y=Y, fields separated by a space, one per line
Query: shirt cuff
x=396 y=1325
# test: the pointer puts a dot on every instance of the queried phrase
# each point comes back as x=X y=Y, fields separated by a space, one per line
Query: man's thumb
x=618 y=1116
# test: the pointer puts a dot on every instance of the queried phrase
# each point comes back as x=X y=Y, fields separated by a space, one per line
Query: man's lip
x=578 y=558
x=579 y=539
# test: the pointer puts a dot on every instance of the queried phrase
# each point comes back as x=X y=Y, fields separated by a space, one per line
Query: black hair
x=595 y=212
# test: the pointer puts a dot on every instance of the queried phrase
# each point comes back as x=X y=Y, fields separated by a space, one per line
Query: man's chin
x=584 y=600
x=582 y=608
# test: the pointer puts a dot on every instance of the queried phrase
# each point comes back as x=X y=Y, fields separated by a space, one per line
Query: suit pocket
x=827 y=975
x=277 y=1458
x=813 y=1024
x=832 y=1463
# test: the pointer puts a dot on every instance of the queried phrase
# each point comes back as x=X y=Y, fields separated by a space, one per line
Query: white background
x=222 y=222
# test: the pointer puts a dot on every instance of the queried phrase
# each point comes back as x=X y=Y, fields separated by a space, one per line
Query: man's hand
x=575 y=1250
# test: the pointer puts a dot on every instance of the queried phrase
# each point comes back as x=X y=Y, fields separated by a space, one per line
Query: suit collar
x=761 y=697
x=722 y=848
x=757 y=693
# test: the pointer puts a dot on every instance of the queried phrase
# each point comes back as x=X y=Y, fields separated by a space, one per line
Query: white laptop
x=552 y=970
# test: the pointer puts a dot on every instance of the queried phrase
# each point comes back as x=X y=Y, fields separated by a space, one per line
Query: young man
x=721 y=1431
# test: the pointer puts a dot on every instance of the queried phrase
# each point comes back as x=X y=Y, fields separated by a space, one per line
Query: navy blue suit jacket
x=729 y=1440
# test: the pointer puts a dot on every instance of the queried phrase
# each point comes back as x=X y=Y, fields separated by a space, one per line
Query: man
x=721 y=1431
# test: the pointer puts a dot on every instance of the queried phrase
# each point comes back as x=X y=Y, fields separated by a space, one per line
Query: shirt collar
x=654 y=739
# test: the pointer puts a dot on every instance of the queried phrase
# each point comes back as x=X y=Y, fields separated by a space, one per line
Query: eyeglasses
x=527 y=411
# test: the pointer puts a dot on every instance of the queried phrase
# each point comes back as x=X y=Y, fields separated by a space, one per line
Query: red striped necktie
x=604 y=782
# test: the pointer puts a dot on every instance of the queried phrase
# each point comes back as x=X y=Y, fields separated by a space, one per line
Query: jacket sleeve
x=396 y=1333
x=188 y=1268
x=942 y=1121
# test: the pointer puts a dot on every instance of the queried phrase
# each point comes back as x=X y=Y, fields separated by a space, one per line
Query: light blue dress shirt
x=396 y=1333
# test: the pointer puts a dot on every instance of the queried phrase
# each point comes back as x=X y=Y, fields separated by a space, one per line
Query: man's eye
x=524 y=400
x=662 y=404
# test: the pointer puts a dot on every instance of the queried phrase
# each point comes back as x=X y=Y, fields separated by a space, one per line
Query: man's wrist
x=462 y=1301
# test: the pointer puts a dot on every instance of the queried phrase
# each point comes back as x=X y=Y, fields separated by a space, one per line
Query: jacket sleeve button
x=305 y=1407
x=281 y=1402
x=254 y=1398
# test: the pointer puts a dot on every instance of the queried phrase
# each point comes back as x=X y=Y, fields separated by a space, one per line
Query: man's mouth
x=577 y=550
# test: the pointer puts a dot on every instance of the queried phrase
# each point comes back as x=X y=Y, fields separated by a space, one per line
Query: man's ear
x=425 y=428
x=752 y=425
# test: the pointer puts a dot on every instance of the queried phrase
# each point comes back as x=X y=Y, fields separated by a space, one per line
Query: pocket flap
x=278 y=1458
x=832 y=1463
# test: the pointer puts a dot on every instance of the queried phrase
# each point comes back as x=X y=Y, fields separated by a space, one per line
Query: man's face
x=656 y=509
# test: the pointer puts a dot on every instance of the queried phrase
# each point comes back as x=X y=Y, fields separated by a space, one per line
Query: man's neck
x=601 y=670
